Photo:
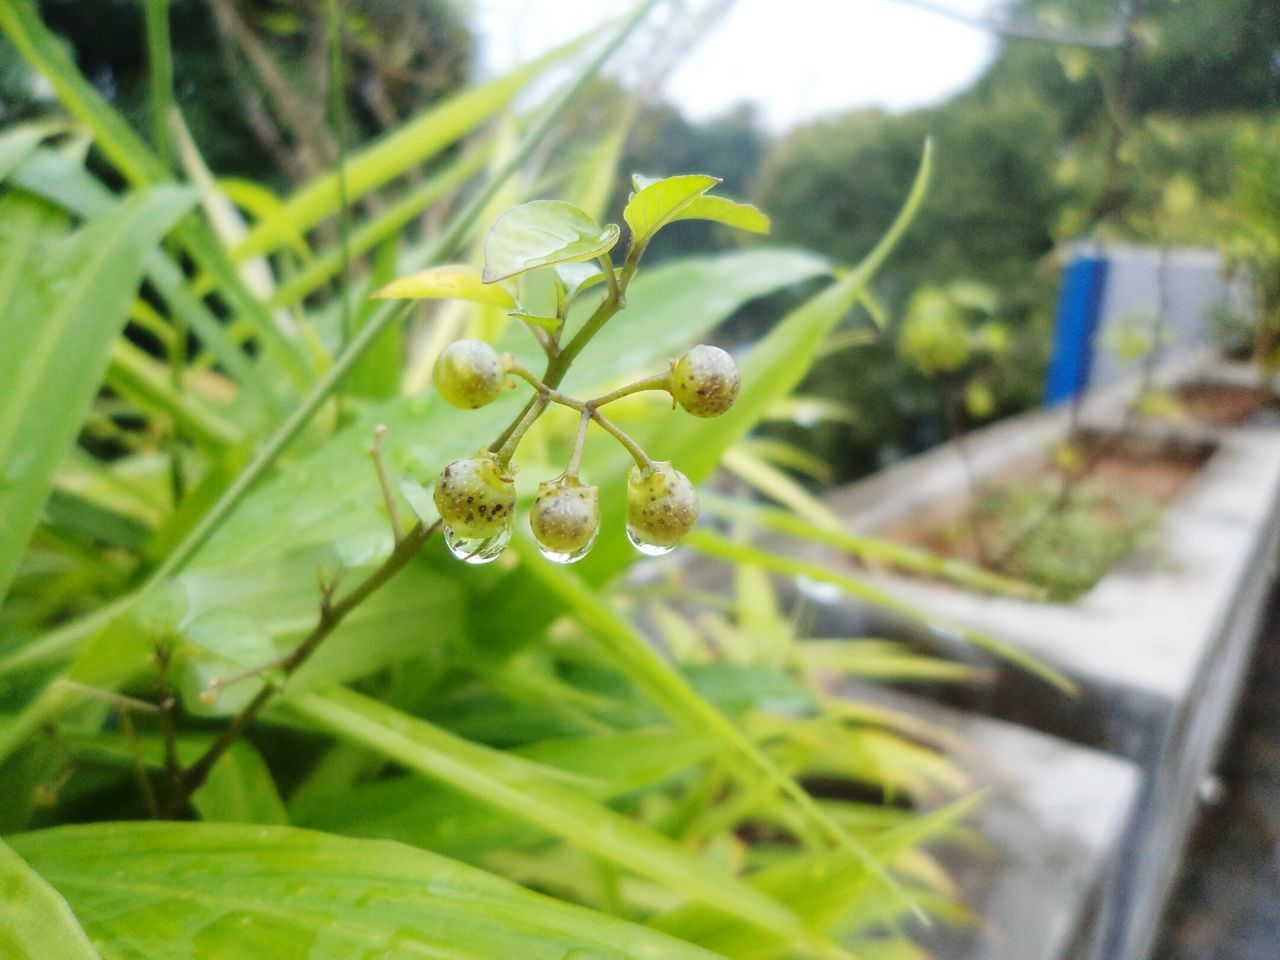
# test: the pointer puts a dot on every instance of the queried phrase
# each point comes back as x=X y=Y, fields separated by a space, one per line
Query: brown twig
x=164 y=705
x=332 y=614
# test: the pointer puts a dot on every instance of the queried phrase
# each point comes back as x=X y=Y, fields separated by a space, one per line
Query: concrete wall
x=1170 y=293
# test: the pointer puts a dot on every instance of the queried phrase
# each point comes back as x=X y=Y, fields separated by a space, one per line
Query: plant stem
x=384 y=481
x=579 y=443
x=641 y=458
x=659 y=381
x=513 y=437
x=611 y=278
x=331 y=615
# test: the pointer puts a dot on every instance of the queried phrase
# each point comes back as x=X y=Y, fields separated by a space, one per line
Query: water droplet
x=645 y=547
x=477 y=549
x=556 y=556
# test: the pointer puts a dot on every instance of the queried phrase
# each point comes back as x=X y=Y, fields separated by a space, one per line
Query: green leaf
x=524 y=790
x=658 y=202
x=240 y=789
x=62 y=303
x=741 y=216
x=452 y=282
x=541 y=233
x=174 y=891
x=413 y=810
x=38 y=924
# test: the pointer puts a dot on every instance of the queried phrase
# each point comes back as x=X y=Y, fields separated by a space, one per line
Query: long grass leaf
x=521 y=789
x=713 y=545
x=869 y=549
x=271 y=892
x=57 y=341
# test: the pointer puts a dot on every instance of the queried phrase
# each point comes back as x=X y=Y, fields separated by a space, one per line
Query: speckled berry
x=475 y=497
x=468 y=374
x=565 y=518
x=705 y=381
x=662 y=506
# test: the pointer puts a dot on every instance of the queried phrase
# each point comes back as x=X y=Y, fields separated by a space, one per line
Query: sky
x=796 y=60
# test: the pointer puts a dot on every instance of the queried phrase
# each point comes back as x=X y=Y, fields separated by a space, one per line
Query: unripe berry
x=468 y=374
x=475 y=498
x=705 y=381
x=662 y=507
x=565 y=518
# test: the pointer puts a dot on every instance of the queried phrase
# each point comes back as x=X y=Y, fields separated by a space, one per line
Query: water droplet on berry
x=477 y=549
x=645 y=547
x=556 y=556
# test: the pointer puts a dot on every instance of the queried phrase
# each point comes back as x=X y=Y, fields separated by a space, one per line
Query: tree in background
x=250 y=75
x=1053 y=142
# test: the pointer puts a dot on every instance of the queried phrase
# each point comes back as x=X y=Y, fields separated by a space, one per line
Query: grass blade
x=713 y=545
x=57 y=342
x=521 y=789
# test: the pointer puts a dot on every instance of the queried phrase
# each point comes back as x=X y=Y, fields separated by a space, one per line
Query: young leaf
x=274 y=891
x=742 y=216
x=541 y=233
x=451 y=282
x=38 y=924
x=658 y=202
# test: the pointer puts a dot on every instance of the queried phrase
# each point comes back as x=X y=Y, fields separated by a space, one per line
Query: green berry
x=565 y=517
x=662 y=507
x=475 y=498
x=705 y=381
x=468 y=374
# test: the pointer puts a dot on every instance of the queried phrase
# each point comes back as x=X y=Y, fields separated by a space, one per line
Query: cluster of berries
x=476 y=496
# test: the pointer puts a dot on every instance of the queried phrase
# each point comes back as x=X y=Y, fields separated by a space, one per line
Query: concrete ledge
x=1159 y=647
x=1054 y=816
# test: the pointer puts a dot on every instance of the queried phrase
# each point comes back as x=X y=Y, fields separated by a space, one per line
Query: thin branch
x=331 y=615
x=579 y=443
x=118 y=700
x=659 y=381
x=139 y=769
x=384 y=481
x=641 y=458
x=164 y=705
x=527 y=419
x=611 y=278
